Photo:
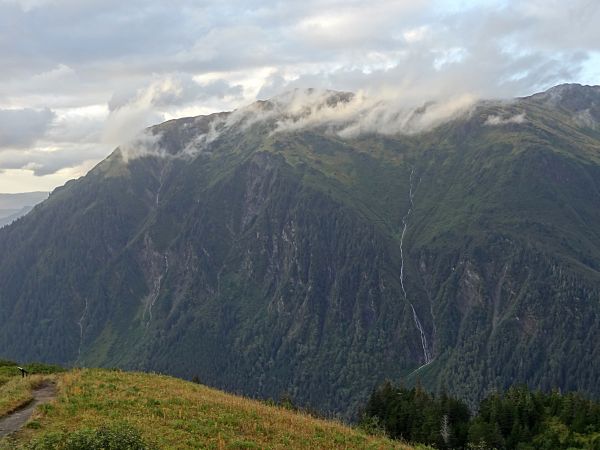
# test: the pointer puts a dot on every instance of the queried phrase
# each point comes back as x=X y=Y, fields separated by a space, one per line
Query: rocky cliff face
x=269 y=261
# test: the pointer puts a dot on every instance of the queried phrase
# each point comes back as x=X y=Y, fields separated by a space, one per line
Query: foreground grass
x=16 y=392
x=174 y=414
x=8 y=371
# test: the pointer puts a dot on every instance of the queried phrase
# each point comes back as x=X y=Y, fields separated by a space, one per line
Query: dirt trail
x=14 y=421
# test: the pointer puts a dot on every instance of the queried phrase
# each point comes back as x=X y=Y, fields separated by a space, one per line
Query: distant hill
x=13 y=206
x=271 y=250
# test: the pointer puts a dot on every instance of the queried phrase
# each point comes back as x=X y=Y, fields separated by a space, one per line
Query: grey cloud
x=131 y=112
x=273 y=85
x=112 y=44
x=46 y=162
x=493 y=60
x=344 y=114
x=183 y=90
x=20 y=128
x=143 y=60
x=350 y=115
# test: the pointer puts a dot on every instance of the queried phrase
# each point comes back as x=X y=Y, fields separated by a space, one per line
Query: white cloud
x=499 y=120
x=142 y=144
x=384 y=112
x=416 y=34
x=126 y=120
x=343 y=114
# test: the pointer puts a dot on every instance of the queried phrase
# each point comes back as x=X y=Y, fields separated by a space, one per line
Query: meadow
x=173 y=414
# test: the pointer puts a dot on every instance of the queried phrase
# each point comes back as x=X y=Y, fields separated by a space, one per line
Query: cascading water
x=80 y=323
x=426 y=353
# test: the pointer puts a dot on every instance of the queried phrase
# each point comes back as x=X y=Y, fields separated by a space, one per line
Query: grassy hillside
x=175 y=414
x=15 y=391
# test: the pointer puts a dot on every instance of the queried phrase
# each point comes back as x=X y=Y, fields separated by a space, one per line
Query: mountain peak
x=313 y=96
x=582 y=102
x=572 y=96
x=344 y=114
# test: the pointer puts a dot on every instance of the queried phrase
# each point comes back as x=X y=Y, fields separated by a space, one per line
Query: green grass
x=176 y=414
x=16 y=392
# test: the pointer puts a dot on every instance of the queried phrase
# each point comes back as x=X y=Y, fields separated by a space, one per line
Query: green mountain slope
x=298 y=261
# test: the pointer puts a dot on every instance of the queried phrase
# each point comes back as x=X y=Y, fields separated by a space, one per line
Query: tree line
x=516 y=419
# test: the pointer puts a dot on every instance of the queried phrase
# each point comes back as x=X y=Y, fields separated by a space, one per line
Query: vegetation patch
x=516 y=419
x=165 y=412
x=114 y=437
x=16 y=393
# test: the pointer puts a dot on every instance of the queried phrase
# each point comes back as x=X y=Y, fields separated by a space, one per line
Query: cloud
x=131 y=64
x=21 y=128
x=43 y=162
x=145 y=143
x=499 y=120
x=175 y=90
x=349 y=115
x=130 y=112
x=344 y=114
x=127 y=120
x=27 y=5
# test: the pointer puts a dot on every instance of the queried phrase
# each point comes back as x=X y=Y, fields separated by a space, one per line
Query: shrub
x=7 y=363
x=114 y=437
x=42 y=368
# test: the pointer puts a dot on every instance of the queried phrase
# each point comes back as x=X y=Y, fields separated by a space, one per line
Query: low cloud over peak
x=344 y=114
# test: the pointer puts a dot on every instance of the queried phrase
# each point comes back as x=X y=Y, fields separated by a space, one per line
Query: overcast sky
x=77 y=77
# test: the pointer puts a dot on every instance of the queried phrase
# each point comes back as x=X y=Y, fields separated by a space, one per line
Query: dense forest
x=516 y=419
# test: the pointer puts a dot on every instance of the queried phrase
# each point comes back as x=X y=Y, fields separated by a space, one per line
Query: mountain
x=317 y=244
x=13 y=206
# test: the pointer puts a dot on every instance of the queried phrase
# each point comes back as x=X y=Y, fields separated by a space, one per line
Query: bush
x=372 y=425
x=114 y=437
x=42 y=368
x=7 y=363
x=286 y=401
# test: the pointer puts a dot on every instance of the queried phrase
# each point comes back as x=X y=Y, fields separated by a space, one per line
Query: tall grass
x=175 y=414
x=16 y=392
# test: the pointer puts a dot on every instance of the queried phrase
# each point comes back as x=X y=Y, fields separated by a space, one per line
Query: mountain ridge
x=265 y=259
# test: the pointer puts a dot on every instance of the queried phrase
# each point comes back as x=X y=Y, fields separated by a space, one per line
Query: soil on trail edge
x=14 y=421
